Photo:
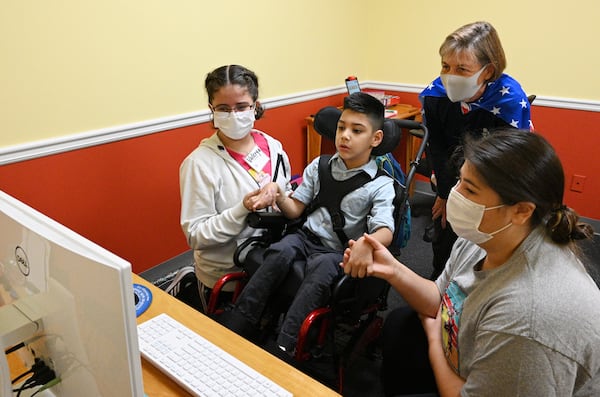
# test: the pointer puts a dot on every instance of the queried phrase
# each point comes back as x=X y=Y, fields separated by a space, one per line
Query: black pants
x=321 y=267
x=442 y=246
x=405 y=367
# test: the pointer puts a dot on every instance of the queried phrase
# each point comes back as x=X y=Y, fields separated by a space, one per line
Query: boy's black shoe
x=239 y=324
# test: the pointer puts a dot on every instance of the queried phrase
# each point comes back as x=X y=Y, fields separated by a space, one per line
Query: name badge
x=257 y=159
x=261 y=178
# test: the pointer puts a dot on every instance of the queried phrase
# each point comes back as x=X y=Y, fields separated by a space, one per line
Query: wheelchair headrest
x=325 y=123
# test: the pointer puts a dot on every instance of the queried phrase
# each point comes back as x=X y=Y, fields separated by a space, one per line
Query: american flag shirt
x=503 y=97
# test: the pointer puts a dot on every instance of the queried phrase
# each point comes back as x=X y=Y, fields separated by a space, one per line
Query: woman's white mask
x=235 y=125
x=460 y=88
x=465 y=217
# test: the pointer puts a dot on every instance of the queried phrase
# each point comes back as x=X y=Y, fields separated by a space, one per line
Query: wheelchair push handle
x=408 y=124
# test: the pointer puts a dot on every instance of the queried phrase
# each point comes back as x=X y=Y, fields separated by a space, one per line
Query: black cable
x=25 y=386
x=24 y=374
x=37 y=366
x=14 y=348
x=48 y=385
x=42 y=375
x=29 y=383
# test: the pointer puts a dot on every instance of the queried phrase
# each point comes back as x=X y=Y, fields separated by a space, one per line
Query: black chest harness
x=331 y=192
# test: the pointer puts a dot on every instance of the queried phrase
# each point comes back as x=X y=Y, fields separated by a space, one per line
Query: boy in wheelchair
x=320 y=242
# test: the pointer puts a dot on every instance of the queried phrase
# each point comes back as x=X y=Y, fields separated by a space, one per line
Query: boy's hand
x=382 y=263
x=361 y=256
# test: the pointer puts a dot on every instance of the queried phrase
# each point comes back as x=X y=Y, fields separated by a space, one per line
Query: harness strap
x=332 y=191
x=277 y=165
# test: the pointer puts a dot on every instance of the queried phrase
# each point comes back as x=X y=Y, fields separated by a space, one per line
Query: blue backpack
x=390 y=165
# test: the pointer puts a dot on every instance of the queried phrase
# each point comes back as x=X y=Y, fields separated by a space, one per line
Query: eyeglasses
x=242 y=107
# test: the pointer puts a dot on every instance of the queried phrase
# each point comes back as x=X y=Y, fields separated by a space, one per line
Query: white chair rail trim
x=31 y=150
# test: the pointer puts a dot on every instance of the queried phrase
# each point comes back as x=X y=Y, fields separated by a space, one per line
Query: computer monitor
x=70 y=301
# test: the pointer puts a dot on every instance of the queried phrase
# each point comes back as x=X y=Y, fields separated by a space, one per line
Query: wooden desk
x=313 y=139
x=156 y=384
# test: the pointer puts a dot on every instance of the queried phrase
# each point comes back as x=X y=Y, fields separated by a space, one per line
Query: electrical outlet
x=577 y=183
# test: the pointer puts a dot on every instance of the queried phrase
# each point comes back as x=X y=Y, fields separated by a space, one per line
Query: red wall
x=125 y=195
x=575 y=135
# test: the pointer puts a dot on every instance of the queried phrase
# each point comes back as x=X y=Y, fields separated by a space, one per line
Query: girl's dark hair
x=367 y=104
x=523 y=166
x=234 y=74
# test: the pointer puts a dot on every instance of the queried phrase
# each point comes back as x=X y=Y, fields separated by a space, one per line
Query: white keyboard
x=200 y=367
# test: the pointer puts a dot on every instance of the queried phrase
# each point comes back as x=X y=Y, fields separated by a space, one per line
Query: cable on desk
x=37 y=366
x=48 y=385
x=42 y=375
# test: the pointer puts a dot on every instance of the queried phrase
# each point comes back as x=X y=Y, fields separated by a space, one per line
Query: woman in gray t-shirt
x=514 y=313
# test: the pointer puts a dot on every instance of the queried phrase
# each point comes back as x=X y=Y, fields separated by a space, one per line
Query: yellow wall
x=71 y=66
x=551 y=46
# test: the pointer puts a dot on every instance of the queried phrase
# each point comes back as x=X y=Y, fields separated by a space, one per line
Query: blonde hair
x=479 y=39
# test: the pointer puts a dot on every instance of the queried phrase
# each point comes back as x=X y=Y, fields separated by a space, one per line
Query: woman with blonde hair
x=474 y=96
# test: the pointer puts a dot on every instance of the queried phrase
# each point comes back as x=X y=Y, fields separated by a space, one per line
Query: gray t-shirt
x=528 y=328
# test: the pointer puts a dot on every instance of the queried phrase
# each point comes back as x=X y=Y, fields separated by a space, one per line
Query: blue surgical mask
x=465 y=217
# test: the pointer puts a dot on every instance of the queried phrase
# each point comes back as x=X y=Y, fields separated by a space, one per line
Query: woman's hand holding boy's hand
x=381 y=264
x=262 y=198
x=360 y=257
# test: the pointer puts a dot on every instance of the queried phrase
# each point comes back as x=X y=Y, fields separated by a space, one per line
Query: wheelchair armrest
x=341 y=286
x=239 y=256
x=267 y=220
x=351 y=295
x=274 y=223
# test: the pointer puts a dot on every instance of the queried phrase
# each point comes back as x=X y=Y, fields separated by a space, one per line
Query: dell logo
x=22 y=261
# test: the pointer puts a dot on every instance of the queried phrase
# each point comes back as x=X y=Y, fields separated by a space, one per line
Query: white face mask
x=465 y=217
x=235 y=125
x=460 y=88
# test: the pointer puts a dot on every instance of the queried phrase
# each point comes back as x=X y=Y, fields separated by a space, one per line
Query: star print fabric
x=503 y=97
